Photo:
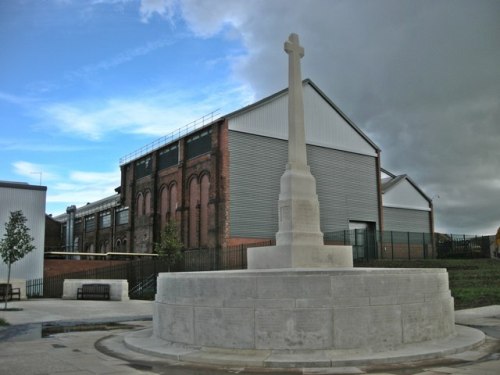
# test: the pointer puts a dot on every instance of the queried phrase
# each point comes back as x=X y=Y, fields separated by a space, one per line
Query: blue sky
x=85 y=82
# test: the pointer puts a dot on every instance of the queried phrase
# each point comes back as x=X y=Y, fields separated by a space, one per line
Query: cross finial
x=292 y=45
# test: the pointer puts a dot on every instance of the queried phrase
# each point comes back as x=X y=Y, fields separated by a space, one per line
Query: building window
x=90 y=223
x=164 y=209
x=89 y=248
x=173 y=203
x=194 y=200
x=121 y=216
x=143 y=168
x=147 y=203
x=140 y=205
x=168 y=157
x=199 y=143
x=105 y=219
x=204 y=198
x=78 y=225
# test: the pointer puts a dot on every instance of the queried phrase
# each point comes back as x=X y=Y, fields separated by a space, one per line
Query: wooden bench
x=93 y=291
x=11 y=292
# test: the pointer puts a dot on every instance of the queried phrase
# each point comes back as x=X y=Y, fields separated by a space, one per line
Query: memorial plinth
x=304 y=309
x=313 y=318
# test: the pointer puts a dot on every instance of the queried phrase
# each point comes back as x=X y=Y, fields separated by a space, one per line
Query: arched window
x=204 y=198
x=194 y=194
x=173 y=202
x=140 y=204
x=164 y=206
x=124 y=246
x=147 y=202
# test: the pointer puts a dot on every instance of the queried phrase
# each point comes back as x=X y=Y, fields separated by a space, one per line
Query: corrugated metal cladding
x=324 y=125
x=346 y=185
x=405 y=220
x=404 y=195
x=32 y=203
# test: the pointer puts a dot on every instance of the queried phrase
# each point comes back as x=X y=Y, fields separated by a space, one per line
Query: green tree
x=16 y=243
x=169 y=248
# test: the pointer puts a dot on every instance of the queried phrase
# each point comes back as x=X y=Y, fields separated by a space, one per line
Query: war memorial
x=301 y=303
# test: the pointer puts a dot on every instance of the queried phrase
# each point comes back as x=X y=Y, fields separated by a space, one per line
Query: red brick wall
x=145 y=229
x=54 y=267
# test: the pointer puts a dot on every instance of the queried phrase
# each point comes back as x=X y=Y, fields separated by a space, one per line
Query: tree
x=169 y=248
x=16 y=243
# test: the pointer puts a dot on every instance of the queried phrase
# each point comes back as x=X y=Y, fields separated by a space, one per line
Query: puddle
x=35 y=331
x=50 y=330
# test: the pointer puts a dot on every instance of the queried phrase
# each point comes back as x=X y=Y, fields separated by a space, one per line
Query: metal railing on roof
x=175 y=135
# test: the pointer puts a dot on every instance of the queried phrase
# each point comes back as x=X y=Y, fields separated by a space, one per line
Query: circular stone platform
x=291 y=317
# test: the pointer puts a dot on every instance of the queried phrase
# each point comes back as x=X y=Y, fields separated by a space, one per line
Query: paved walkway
x=23 y=351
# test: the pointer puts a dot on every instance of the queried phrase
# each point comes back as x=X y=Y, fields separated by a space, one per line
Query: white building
x=30 y=199
x=406 y=207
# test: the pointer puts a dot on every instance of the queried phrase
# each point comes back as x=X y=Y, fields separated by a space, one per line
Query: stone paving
x=23 y=351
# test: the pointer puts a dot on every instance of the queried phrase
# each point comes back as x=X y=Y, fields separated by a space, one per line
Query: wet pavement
x=81 y=337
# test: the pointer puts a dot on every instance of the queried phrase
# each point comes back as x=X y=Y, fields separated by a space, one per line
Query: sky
x=84 y=83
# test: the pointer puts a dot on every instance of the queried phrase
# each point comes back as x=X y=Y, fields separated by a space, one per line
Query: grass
x=3 y=322
x=473 y=282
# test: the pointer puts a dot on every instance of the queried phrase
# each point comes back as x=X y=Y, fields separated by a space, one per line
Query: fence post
x=409 y=251
x=392 y=246
x=424 y=250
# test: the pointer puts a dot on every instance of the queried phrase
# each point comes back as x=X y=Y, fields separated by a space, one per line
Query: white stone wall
x=374 y=309
x=118 y=290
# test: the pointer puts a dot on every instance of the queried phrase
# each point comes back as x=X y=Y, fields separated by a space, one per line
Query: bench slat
x=11 y=292
x=92 y=291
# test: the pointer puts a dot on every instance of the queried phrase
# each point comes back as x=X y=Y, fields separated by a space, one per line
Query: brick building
x=219 y=180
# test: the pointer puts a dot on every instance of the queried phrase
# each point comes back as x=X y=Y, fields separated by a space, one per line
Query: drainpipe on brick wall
x=380 y=205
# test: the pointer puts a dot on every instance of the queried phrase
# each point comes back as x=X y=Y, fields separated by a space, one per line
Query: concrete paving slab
x=469 y=355
x=332 y=371
x=487 y=315
x=50 y=310
x=83 y=353
x=466 y=338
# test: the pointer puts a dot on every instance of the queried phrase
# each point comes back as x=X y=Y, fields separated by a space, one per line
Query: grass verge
x=473 y=282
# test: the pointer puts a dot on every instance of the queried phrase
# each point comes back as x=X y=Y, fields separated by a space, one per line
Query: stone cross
x=296 y=134
x=299 y=241
x=298 y=206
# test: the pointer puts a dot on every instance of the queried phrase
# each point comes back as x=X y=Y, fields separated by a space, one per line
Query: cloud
x=164 y=8
x=92 y=177
x=77 y=187
x=80 y=188
x=16 y=99
x=119 y=59
x=150 y=114
x=420 y=78
x=34 y=172
x=23 y=144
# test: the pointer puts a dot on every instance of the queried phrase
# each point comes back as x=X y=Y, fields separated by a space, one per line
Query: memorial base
x=299 y=256
x=290 y=312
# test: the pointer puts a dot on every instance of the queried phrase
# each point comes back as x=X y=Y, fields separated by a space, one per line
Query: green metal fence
x=367 y=245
